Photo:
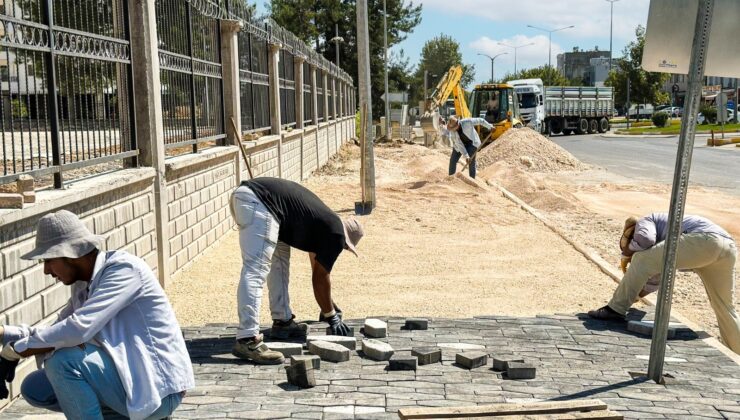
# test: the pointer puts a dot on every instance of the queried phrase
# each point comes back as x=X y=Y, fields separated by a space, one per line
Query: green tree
x=645 y=87
x=437 y=56
x=550 y=76
x=314 y=22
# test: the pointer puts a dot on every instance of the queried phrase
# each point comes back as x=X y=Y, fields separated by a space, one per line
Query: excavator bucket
x=430 y=122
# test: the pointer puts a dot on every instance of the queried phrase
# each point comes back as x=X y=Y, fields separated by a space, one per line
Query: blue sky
x=479 y=26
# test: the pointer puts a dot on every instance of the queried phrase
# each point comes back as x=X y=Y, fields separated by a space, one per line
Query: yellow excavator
x=496 y=102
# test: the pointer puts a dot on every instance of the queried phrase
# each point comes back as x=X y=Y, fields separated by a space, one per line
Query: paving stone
x=375 y=328
x=646 y=328
x=516 y=370
x=376 y=349
x=471 y=359
x=29 y=196
x=287 y=349
x=301 y=374
x=416 y=324
x=24 y=183
x=331 y=352
x=427 y=355
x=348 y=342
x=402 y=362
x=461 y=346
x=501 y=363
x=314 y=360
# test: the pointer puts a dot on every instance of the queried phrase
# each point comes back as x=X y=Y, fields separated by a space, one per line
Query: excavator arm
x=448 y=85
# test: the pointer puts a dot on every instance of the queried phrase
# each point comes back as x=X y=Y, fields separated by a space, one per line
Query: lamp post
x=611 y=24
x=550 y=31
x=515 y=48
x=492 y=59
x=426 y=73
x=336 y=40
x=387 y=108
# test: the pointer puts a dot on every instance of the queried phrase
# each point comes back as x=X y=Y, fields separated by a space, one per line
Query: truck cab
x=531 y=101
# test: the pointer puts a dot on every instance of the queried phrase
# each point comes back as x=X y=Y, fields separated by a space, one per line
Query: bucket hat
x=352 y=234
x=62 y=234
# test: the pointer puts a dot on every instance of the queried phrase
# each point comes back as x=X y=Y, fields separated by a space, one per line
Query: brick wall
x=198 y=188
x=309 y=151
x=263 y=157
x=321 y=142
x=292 y=155
x=120 y=208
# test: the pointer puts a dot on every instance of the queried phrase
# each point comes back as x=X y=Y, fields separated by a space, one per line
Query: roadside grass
x=675 y=128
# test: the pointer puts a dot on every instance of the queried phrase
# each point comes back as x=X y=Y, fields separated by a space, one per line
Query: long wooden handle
x=241 y=147
x=483 y=143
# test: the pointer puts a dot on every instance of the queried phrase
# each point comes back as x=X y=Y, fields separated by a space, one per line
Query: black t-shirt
x=466 y=141
x=305 y=221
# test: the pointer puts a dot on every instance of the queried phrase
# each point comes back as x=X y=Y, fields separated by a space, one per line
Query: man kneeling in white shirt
x=116 y=346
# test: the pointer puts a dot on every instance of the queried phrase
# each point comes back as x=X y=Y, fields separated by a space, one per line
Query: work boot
x=255 y=350
x=283 y=330
x=606 y=313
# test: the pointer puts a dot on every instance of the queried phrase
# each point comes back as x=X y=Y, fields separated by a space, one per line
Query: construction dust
x=530 y=151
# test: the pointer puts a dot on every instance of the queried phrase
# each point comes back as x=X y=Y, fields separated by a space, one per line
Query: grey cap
x=352 y=234
x=62 y=234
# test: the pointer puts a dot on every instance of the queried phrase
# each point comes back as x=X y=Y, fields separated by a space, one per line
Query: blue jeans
x=84 y=384
x=455 y=156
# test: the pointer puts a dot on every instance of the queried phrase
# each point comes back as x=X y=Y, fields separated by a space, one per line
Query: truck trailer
x=564 y=109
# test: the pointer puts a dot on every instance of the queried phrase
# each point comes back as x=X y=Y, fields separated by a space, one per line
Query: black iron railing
x=67 y=100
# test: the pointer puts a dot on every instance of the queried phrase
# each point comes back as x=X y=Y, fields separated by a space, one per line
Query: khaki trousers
x=710 y=256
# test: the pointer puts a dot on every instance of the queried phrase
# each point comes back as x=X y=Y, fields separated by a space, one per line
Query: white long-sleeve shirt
x=467 y=125
x=124 y=310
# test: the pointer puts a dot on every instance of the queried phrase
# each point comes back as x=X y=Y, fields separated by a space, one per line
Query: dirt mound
x=538 y=193
x=528 y=150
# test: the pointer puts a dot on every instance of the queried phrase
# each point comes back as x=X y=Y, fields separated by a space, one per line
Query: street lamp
x=515 y=48
x=611 y=23
x=426 y=73
x=492 y=59
x=550 y=31
x=337 y=40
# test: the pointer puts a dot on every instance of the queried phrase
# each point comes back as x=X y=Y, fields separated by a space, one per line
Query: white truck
x=564 y=109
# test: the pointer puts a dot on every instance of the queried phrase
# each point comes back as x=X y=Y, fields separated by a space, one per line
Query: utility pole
x=492 y=60
x=550 y=31
x=367 y=172
x=387 y=97
x=611 y=24
x=515 y=48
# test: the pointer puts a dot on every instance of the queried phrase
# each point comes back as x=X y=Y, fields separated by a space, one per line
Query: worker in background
x=464 y=139
x=703 y=247
x=115 y=347
x=493 y=110
x=274 y=215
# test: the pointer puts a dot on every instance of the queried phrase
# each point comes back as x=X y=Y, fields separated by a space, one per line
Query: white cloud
x=526 y=57
x=590 y=17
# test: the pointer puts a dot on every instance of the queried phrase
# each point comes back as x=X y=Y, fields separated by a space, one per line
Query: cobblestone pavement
x=576 y=358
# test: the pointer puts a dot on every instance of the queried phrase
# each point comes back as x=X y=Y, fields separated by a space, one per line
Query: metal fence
x=191 y=75
x=80 y=51
x=320 y=94
x=287 y=89
x=307 y=94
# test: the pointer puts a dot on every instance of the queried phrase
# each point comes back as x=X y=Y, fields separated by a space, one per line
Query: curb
x=604 y=266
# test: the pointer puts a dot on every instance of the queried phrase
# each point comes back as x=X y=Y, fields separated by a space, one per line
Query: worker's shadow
x=634 y=314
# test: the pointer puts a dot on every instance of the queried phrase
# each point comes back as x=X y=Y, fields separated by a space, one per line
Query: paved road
x=651 y=158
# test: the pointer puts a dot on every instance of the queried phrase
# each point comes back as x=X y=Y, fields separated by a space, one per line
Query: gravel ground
x=434 y=246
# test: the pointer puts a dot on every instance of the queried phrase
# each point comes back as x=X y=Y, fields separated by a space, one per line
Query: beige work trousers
x=710 y=256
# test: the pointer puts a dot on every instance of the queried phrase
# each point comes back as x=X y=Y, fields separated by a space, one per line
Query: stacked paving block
x=25 y=187
x=516 y=370
x=348 y=342
x=11 y=201
x=416 y=324
x=313 y=360
x=402 y=362
x=376 y=349
x=471 y=359
x=287 y=349
x=331 y=352
x=427 y=355
x=300 y=373
x=375 y=328
x=501 y=363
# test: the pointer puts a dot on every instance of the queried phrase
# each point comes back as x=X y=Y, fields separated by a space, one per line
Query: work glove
x=625 y=262
x=8 y=362
x=322 y=318
x=337 y=326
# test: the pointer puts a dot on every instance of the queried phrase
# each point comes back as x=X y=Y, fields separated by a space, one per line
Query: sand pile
x=538 y=193
x=526 y=149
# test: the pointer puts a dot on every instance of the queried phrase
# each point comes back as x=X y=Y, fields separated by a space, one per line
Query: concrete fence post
x=232 y=104
x=298 y=63
x=274 y=62
x=149 y=128
x=325 y=76
x=315 y=99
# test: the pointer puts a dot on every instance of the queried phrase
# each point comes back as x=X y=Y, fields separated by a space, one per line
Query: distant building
x=576 y=65
x=676 y=86
x=598 y=72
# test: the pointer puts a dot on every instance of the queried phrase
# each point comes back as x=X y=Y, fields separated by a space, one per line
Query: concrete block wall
x=119 y=206
x=310 y=161
x=263 y=156
x=198 y=188
x=321 y=141
x=291 y=158
x=332 y=139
